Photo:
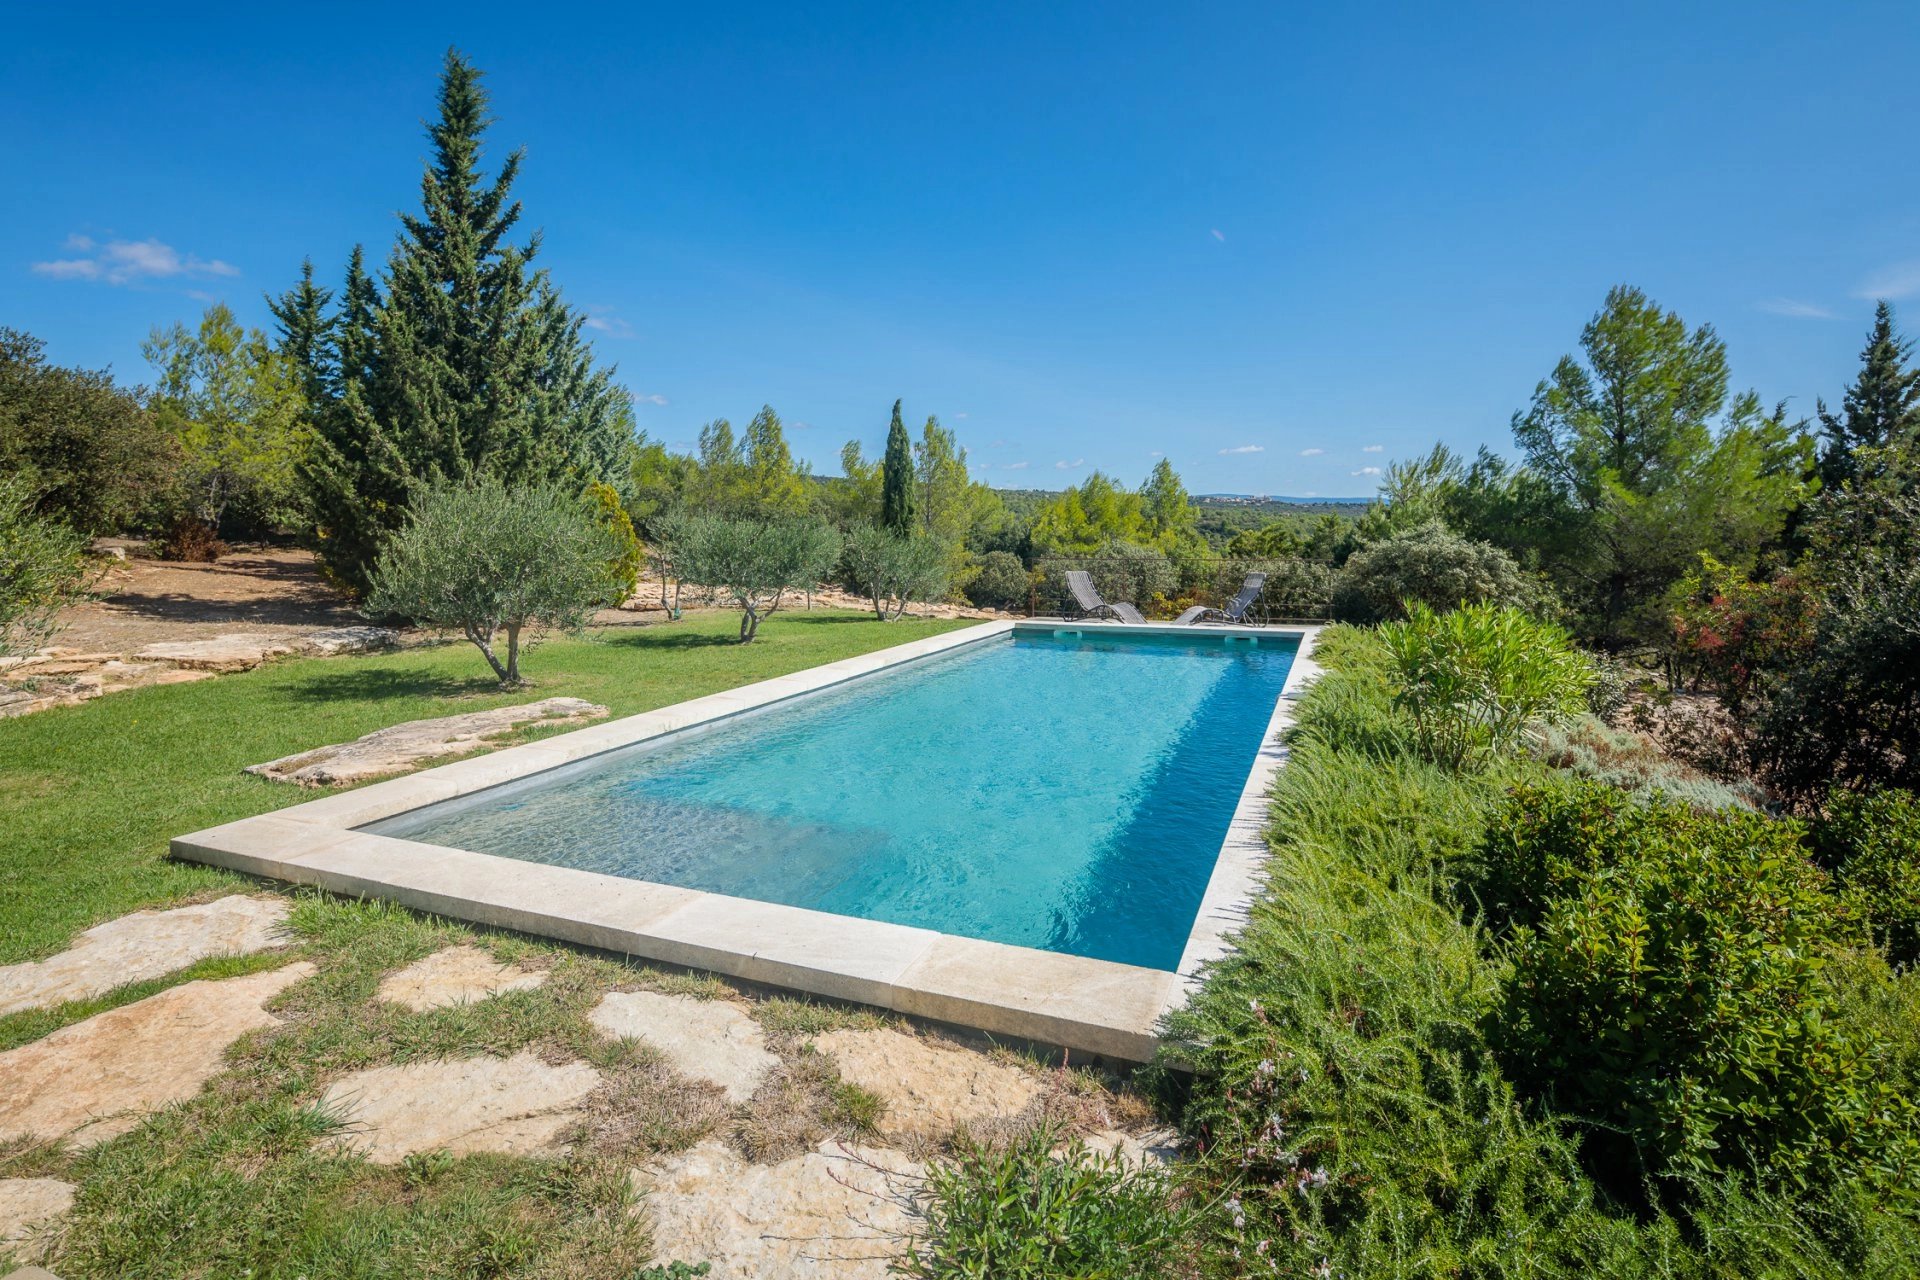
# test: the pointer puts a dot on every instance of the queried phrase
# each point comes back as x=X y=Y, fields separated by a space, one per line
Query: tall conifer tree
x=463 y=360
x=1881 y=408
x=897 y=479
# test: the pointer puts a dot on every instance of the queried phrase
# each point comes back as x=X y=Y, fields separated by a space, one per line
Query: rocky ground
x=764 y=1135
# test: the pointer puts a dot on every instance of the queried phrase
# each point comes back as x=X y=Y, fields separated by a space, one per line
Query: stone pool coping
x=1094 y=1006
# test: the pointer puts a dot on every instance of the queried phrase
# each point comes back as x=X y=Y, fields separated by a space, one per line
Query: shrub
x=1027 y=1212
x=1872 y=845
x=623 y=569
x=1630 y=761
x=1477 y=680
x=1850 y=713
x=1431 y=565
x=1665 y=986
x=1736 y=632
x=1000 y=581
x=1298 y=588
x=43 y=568
x=89 y=450
x=482 y=558
x=189 y=540
x=754 y=562
x=1612 y=686
x=1120 y=571
x=894 y=570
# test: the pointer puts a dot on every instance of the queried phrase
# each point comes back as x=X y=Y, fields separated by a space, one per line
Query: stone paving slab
x=405 y=745
x=712 y=1040
x=930 y=1088
x=836 y=1213
x=141 y=946
x=455 y=976
x=517 y=1106
x=29 y=1208
x=93 y=1080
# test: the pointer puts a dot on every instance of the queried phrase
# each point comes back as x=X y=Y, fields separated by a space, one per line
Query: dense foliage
x=893 y=570
x=1871 y=844
x=88 y=449
x=1477 y=680
x=487 y=560
x=1038 y=1209
x=460 y=360
x=42 y=567
x=1362 y=1086
x=1426 y=564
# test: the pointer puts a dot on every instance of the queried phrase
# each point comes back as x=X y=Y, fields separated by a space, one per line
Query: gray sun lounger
x=1235 y=609
x=1089 y=602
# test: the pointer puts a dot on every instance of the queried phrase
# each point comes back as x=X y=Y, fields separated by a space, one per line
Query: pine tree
x=1880 y=409
x=462 y=361
x=306 y=333
x=897 y=479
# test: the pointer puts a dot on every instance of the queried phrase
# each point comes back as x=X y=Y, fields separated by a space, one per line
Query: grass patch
x=29 y=1025
x=90 y=795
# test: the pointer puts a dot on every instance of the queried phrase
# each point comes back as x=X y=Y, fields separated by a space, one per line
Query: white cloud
x=603 y=320
x=1244 y=448
x=1218 y=236
x=1156 y=454
x=1311 y=453
x=960 y=417
x=1901 y=280
x=1016 y=466
x=1367 y=471
x=1372 y=448
x=129 y=261
x=1794 y=308
x=656 y=398
x=799 y=426
x=1064 y=465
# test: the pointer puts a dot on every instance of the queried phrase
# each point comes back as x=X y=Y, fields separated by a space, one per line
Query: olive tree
x=42 y=567
x=754 y=562
x=485 y=559
x=893 y=571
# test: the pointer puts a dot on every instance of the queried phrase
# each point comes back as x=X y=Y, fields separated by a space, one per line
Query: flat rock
x=402 y=746
x=93 y=1080
x=516 y=1105
x=930 y=1088
x=146 y=944
x=712 y=1040
x=455 y=975
x=28 y=1206
x=241 y=651
x=336 y=640
x=1155 y=1147
x=836 y=1213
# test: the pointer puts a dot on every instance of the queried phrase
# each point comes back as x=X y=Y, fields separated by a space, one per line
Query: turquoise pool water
x=1062 y=792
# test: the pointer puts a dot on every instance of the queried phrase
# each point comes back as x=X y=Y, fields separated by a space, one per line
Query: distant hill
x=1272 y=499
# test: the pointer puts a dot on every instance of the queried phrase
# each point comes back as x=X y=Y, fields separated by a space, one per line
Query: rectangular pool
x=1062 y=790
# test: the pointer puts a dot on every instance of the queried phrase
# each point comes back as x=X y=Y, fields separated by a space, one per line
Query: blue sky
x=1279 y=243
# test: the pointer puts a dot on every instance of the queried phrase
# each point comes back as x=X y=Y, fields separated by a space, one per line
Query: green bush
x=623 y=569
x=1478 y=680
x=1871 y=843
x=999 y=581
x=482 y=559
x=1029 y=1212
x=1431 y=565
x=1665 y=986
x=43 y=568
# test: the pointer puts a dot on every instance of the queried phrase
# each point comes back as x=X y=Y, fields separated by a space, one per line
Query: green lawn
x=90 y=795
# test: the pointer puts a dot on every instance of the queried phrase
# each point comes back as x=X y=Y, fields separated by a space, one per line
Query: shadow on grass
x=662 y=638
x=378 y=685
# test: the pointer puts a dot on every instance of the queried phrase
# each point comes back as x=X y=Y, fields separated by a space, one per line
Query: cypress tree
x=896 y=478
x=306 y=333
x=462 y=361
x=1880 y=409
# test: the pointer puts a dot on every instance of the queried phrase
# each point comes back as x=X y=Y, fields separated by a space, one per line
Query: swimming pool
x=1066 y=791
